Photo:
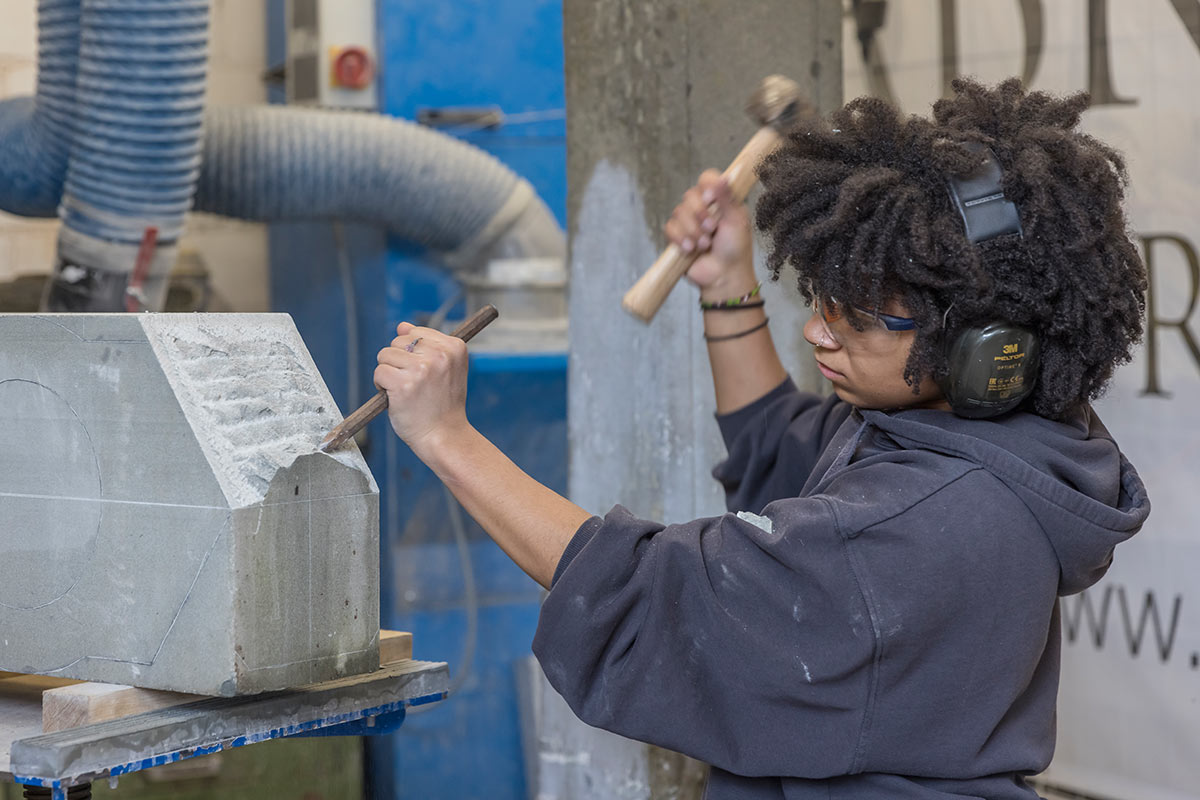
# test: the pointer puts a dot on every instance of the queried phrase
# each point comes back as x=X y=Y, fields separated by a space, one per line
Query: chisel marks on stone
x=250 y=383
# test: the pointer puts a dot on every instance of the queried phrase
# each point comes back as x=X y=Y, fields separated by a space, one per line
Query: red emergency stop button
x=353 y=68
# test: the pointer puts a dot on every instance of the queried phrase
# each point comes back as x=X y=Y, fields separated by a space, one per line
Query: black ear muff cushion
x=991 y=369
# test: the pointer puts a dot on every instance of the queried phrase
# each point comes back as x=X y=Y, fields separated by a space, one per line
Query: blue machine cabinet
x=441 y=576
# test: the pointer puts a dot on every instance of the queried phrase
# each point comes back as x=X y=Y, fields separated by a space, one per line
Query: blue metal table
x=58 y=763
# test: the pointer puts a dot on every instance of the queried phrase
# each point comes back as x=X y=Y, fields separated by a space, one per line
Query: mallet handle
x=646 y=296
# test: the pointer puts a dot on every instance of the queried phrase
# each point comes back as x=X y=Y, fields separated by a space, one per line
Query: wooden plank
x=69 y=704
x=394 y=646
x=84 y=703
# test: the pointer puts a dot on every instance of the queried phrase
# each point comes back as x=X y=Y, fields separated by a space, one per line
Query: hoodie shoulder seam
x=932 y=492
x=850 y=532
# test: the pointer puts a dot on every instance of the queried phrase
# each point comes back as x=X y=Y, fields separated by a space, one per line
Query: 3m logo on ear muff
x=992 y=369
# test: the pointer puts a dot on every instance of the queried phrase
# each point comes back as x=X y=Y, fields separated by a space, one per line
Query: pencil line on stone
x=308 y=466
x=111 y=500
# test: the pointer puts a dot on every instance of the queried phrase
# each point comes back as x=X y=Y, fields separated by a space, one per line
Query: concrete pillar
x=655 y=91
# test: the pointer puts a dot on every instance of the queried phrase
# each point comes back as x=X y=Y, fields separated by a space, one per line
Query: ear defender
x=992 y=369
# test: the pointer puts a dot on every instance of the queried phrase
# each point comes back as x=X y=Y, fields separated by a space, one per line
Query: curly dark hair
x=861 y=211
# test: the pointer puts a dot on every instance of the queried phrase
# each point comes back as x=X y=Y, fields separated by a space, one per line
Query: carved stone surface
x=165 y=519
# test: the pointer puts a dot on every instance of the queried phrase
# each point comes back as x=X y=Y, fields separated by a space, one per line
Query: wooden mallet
x=776 y=105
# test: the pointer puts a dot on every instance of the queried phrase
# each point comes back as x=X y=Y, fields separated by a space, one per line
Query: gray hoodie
x=878 y=622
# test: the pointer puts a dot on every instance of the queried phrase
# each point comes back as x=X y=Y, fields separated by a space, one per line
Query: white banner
x=1129 y=703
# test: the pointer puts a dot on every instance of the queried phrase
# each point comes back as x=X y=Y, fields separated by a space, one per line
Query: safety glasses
x=832 y=311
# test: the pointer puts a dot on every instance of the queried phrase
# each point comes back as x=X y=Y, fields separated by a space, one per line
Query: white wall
x=234 y=252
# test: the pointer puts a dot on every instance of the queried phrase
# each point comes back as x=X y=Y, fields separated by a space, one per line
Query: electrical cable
x=520 y=118
x=353 y=392
x=470 y=591
x=458 y=527
x=438 y=318
x=470 y=599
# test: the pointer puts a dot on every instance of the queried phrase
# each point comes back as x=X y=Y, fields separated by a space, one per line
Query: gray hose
x=271 y=163
x=257 y=163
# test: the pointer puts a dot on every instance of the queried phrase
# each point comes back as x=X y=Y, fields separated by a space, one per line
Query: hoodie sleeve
x=774 y=443
x=743 y=641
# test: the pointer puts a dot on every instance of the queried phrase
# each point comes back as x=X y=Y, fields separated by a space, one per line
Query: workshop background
x=654 y=93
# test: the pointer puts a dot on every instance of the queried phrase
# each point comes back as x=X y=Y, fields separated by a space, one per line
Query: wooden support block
x=12 y=680
x=394 y=646
x=70 y=703
x=85 y=703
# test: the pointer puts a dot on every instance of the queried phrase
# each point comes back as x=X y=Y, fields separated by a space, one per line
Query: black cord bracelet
x=726 y=337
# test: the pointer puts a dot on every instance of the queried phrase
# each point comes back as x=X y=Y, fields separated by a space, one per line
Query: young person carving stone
x=876 y=617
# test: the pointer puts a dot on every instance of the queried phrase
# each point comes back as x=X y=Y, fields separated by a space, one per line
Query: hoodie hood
x=1070 y=473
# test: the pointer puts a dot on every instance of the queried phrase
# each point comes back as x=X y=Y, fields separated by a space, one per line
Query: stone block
x=165 y=518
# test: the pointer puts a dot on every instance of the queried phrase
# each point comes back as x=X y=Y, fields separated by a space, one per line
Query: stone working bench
x=58 y=736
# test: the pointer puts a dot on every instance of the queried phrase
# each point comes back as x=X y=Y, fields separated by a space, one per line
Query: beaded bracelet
x=738 y=307
x=726 y=337
x=732 y=302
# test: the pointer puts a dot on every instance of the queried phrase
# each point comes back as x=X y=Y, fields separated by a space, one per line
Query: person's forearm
x=744 y=368
x=530 y=522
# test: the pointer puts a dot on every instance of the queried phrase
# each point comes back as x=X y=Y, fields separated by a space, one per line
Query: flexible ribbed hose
x=139 y=118
x=35 y=134
x=139 y=141
x=273 y=163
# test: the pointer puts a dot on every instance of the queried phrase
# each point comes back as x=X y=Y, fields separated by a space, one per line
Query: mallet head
x=777 y=102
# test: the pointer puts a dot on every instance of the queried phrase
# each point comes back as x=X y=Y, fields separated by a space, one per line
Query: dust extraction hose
x=117 y=141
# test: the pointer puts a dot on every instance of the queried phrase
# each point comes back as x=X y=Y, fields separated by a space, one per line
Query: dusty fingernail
x=708 y=224
x=688 y=245
x=708 y=196
x=704 y=242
